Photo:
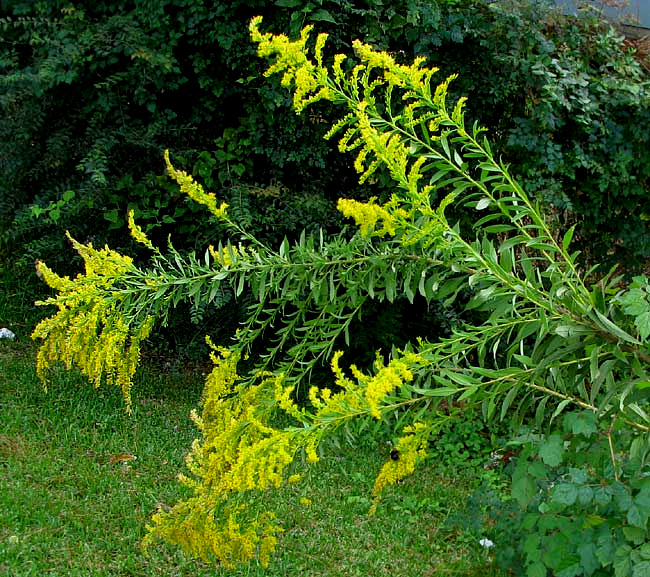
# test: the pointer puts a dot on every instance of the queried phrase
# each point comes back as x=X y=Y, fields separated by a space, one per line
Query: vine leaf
x=552 y=450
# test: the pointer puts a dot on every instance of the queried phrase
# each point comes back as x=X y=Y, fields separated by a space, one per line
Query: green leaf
x=635 y=302
x=434 y=392
x=637 y=517
x=642 y=322
x=644 y=551
x=571 y=571
x=560 y=407
x=622 y=561
x=537 y=569
x=498 y=228
x=421 y=287
x=112 y=216
x=641 y=569
x=605 y=548
x=408 y=290
x=391 y=285
x=284 y=248
x=532 y=546
x=551 y=450
x=322 y=15
x=507 y=401
x=564 y=494
x=568 y=236
x=634 y=535
x=240 y=286
x=642 y=499
x=465 y=380
x=602 y=496
x=445 y=145
x=523 y=488
x=586 y=496
x=583 y=423
x=614 y=329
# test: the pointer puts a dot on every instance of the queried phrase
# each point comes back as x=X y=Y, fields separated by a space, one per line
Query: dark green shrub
x=579 y=503
x=569 y=103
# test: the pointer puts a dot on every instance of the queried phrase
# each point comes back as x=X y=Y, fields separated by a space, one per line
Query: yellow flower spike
x=359 y=161
x=87 y=330
x=318 y=49
x=340 y=379
x=137 y=233
x=384 y=382
x=357 y=374
x=284 y=400
x=440 y=94
x=457 y=114
x=414 y=175
x=314 y=398
x=367 y=215
x=408 y=452
x=337 y=67
x=310 y=80
x=336 y=369
x=337 y=127
x=349 y=140
x=310 y=451
x=195 y=191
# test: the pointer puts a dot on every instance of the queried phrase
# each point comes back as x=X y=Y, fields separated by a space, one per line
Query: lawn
x=79 y=480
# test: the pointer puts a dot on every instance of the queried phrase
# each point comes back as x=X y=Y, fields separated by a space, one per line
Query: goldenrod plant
x=552 y=345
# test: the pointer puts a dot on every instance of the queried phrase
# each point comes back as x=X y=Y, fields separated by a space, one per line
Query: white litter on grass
x=7 y=334
x=486 y=543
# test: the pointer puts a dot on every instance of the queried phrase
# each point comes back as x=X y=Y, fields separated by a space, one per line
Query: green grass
x=71 y=504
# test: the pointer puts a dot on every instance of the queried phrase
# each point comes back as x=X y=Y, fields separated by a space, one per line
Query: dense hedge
x=91 y=93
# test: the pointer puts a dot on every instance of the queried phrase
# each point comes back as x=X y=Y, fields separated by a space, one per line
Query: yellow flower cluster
x=137 y=233
x=239 y=457
x=376 y=142
x=283 y=397
x=412 y=77
x=367 y=215
x=310 y=80
x=387 y=378
x=242 y=454
x=195 y=191
x=408 y=452
x=225 y=255
x=232 y=535
x=87 y=332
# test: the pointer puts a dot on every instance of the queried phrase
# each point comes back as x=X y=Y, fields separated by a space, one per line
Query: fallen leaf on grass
x=122 y=458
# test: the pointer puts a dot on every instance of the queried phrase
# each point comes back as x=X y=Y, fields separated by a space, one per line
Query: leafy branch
x=541 y=340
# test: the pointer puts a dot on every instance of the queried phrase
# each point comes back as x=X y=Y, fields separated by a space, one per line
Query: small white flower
x=7 y=334
x=486 y=543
